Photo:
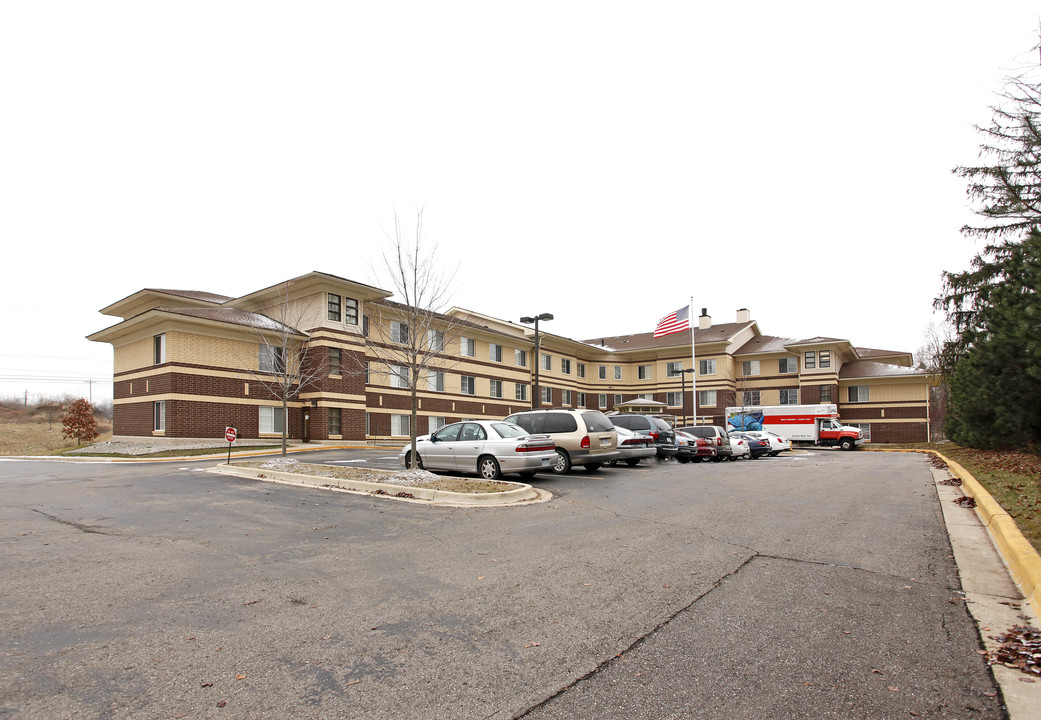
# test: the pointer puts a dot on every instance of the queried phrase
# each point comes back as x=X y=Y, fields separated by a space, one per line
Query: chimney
x=705 y=321
x=743 y=316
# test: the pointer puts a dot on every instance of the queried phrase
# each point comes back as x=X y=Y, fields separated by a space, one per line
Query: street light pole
x=536 y=400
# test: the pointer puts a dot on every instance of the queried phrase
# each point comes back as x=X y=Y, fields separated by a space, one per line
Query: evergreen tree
x=78 y=422
x=993 y=364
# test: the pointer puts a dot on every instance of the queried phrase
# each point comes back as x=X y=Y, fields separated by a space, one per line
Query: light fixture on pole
x=536 y=401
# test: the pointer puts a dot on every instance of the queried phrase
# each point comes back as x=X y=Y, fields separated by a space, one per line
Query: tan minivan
x=582 y=437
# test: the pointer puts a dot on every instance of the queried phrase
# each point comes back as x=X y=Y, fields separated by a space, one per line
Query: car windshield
x=509 y=430
x=596 y=421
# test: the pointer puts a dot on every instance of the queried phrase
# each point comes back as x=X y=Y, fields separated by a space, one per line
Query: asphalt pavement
x=821 y=584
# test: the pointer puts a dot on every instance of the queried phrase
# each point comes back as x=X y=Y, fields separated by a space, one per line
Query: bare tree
x=411 y=338
x=287 y=364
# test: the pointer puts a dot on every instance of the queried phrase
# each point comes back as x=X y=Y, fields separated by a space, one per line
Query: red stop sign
x=230 y=433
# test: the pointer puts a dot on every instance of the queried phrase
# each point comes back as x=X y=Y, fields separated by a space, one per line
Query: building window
x=546 y=395
x=707 y=398
x=786 y=366
x=467 y=347
x=601 y=400
x=825 y=358
x=272 y=359
x=365 y=331
x=750 y=397
x=581 y=399
x=674 y=399
x=565 y=366
x=399 y=425
x=618 y=399
x=706 y=367
x=435 y=341
x=547 y=362
x=825 y=392
x=467 y=385
x=368 y=420
x=333 y=311
x=495 y=352
x=366 y=372
x=334 y=421
x=809 y=360
x=565 y=397
x=350 y=311
x=160 y=349
x=334 y=361
x=864 y=428
x=399 y=332
x=617 y=372
x=495 y=388
x=581 y=370
x=272 y=420
x=673 y=369
x=750 y=367
x=521 y=392
x=645 y=372
x=435 y=423
x=789 y=397
x=520 y=358
x=435 y=381
x=858 y=393
x=602 y=372
x=398 y=376
x=160 y=416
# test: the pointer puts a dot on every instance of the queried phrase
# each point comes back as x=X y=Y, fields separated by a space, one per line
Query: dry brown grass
x=38 y=437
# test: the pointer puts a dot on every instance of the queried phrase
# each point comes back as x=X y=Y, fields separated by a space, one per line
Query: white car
x=740 y=448
x=634 y=446
x=777 y=443
x=486 y=447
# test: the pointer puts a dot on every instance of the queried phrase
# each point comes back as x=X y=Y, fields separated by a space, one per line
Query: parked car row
x=559 y=439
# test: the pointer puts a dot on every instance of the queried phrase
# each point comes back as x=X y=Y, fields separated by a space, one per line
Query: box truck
x=817 y=424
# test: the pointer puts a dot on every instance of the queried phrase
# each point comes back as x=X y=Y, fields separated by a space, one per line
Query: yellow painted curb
x=1022 y=559
x=522 y=494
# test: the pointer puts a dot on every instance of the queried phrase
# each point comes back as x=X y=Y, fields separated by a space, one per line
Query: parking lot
x=816 y=584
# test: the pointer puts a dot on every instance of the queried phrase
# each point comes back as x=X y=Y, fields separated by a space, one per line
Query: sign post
x=230 y=434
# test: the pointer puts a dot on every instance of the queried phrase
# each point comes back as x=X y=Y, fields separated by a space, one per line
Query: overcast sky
x=602 y=161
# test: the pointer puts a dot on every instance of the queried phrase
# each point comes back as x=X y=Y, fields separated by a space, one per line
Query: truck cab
x=830 y=431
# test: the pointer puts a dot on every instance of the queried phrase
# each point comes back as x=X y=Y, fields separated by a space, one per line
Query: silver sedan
x=486 y=447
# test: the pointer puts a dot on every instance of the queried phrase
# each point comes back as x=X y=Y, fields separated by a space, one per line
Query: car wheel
x=774 y=454
x=591 y=467
x=846 y=444
x=632 y=462
x=488 y=468
x=563 y=464
x=408 y=461
x=683 y=459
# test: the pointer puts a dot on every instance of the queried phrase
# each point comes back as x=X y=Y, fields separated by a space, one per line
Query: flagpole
x=693 y=361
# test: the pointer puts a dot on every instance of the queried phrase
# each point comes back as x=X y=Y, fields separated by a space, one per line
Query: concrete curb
x=1023 y=560
x=523 y=494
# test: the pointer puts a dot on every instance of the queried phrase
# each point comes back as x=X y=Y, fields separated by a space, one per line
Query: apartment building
x=328 y=358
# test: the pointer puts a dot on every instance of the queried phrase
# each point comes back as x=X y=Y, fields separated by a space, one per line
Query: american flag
x=674 y=322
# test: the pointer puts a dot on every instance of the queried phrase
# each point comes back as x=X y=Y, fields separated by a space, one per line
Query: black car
x=659 y=430
x=757 y=446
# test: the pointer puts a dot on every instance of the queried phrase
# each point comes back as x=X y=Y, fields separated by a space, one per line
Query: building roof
x=233 y=317
x=765 y=344
x=869 y=369
x=195 y=295
x=646 y=341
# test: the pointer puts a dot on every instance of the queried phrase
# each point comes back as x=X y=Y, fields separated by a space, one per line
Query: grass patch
x=1012 y=477
x=408 y=478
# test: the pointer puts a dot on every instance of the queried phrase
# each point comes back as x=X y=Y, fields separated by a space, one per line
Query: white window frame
x=617 y=399
x=399 y=332
x=601 y=372
x=751 y=397
x=467 y=347
x=399 y=425
x=495 y=352
x=565 y=397
x=159 y=416
x=674 y=399
x=617 y=372
x=495 y=388
x=707 y=367
x=436 y=340
x=398 y=376
x=435 y=381
x=706 y=398
x=467 y=385
x=673 y=369
x=827 y=398
x=862 y=393
x=547 y=362
x=645 y=372
x=785 y=396
x=335 y=412
x=271 y=419
x=787 y=367
x=750 y=368
x=601 y=400
x=546 y=395
x=581 y=399
x=435 y=423
x=520 y=358
x=159 y=349
x=565 y=366
x=580 y=370
x=520 y=391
